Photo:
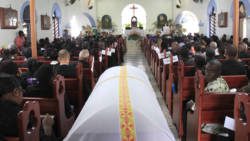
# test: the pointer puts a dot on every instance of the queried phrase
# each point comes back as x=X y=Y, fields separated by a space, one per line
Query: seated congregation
x=200 y=78
x=41 y=98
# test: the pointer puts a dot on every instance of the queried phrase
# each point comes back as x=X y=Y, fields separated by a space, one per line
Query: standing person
x=20 y=41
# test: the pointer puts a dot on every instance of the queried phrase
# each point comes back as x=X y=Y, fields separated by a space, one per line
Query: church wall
x=8 y=35
x=224 y=6
x=78 y=10
x=114 y=9
x=200 y=10
x=45 y=7
x=153 y=9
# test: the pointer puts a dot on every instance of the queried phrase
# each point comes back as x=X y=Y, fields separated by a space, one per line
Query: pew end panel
x=55 y=106
x=241 y=117
x=27 y=133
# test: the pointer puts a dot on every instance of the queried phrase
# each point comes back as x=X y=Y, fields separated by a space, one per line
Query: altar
x=134 y=31
x=122 y=107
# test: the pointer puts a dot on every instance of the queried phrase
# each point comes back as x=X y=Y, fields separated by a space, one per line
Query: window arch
x=90 y=18
x=188 y=21
x=56 y=20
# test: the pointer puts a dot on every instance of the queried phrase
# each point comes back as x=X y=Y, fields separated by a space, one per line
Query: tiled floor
x=135 y=57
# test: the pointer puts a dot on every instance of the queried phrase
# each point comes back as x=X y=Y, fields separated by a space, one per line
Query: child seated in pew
x=42 y=86
x=10 y=105
x=65 y=68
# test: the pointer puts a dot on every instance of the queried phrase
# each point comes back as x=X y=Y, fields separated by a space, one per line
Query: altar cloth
x=136 y=31
x=119 y=89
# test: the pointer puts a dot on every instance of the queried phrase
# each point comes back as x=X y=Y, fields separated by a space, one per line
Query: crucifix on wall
x=134 y=18
x=133 y=8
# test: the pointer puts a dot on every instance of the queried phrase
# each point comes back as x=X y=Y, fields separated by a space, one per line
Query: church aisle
x=135 y=57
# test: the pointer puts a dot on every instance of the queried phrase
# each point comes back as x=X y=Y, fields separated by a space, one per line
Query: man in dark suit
x=65 y=68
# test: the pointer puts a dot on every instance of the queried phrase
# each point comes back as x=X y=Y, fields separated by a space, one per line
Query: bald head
x=213 y=45
x=63 y=56
x=84 y=54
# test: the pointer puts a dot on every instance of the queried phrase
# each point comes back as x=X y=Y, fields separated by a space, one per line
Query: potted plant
x=140 y=25
x=127 y=26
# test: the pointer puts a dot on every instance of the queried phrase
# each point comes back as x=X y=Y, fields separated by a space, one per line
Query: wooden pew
x=19 y=58
x=241 y=117
x=55 y=106
x=185 y=92
x=153 y=60
x=19 y=62
x=73 y=88
x=172 y=80
x=246 y=61
x=166 y=70
x=159 y=70
x=236 y=81
x=105 y=59
x=87 y=73
x=98 y=63
x=25 y=134
x=210 y=108
x=23 y=70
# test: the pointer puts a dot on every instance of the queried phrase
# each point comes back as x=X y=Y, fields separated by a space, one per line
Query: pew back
x=210 y=108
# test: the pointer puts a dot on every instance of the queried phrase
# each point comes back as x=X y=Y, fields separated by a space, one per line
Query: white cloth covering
x=99 y=119
x=132 y=31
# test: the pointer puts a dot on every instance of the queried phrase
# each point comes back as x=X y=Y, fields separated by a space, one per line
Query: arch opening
x=188 y=21
x=133 y=10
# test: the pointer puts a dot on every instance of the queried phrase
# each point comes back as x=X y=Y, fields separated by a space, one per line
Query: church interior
x=128 y=70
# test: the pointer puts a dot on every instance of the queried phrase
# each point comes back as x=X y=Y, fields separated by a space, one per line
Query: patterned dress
x=218 y=86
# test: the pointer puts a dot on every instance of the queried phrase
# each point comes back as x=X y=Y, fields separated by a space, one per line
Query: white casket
x=122 y=107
